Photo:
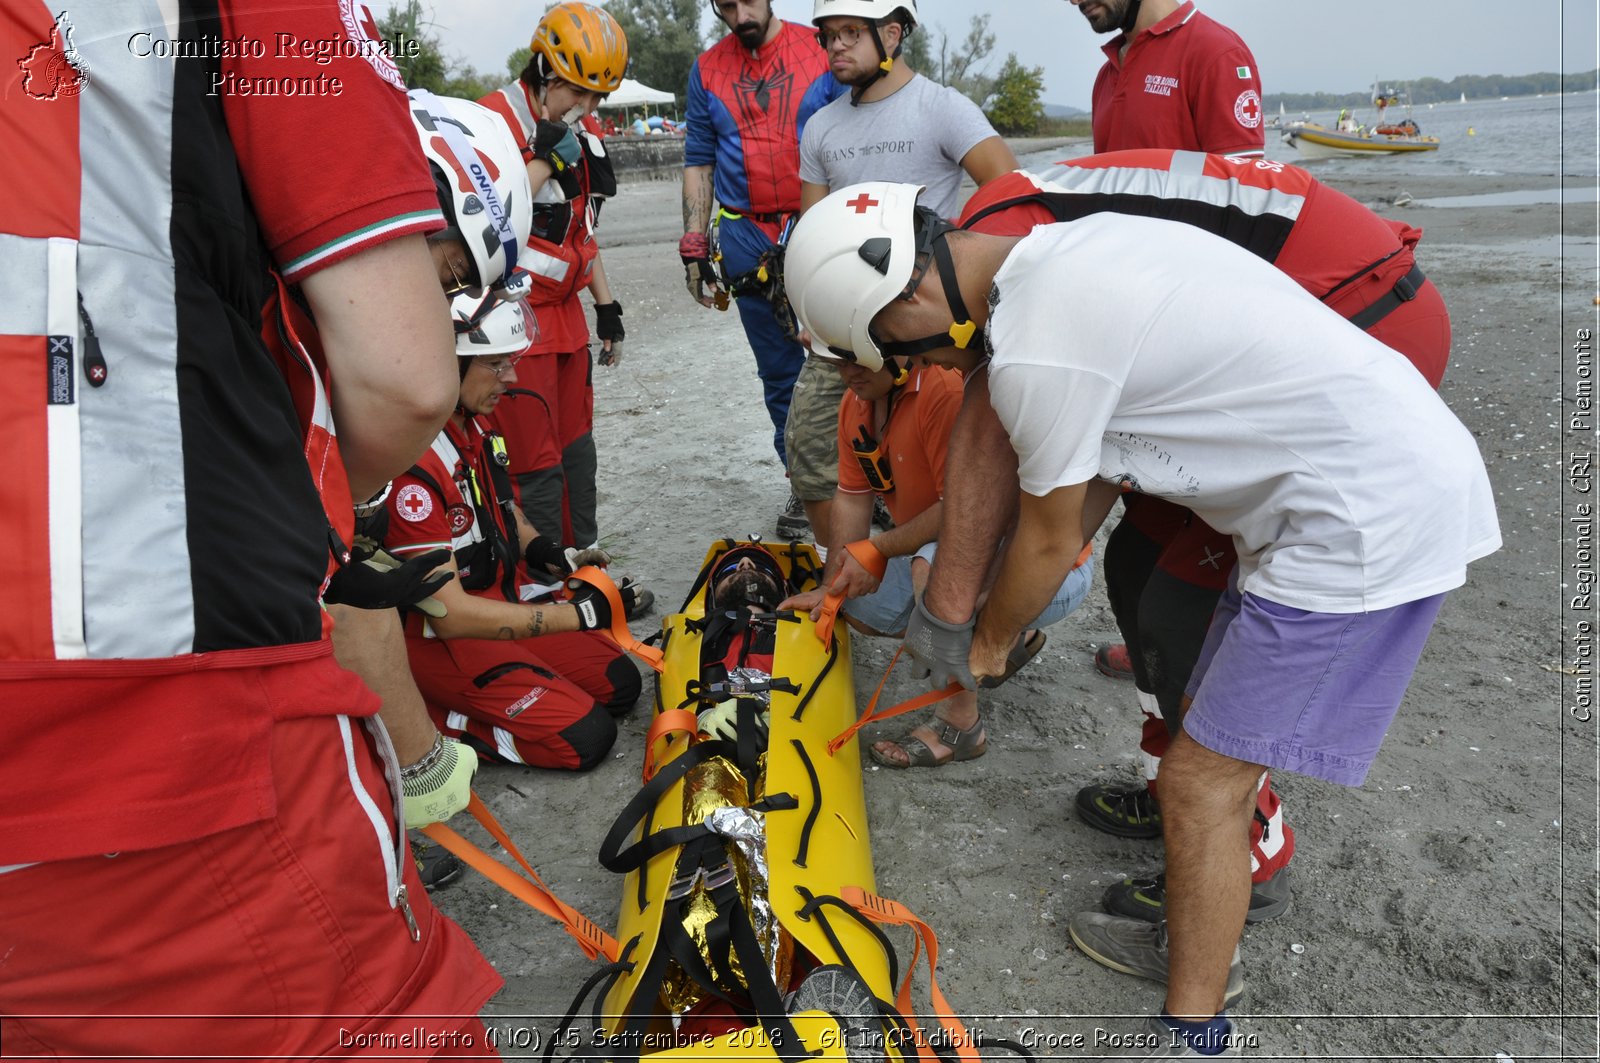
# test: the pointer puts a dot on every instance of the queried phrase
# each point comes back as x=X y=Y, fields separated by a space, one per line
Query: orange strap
x=667 y=721
x=619 y=632
x=921 y=700
x=868 y=557
x=1084 y=555
x=590 y=938
x=893 y=913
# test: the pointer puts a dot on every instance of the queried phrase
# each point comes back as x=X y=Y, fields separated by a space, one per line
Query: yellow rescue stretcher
x=750 y=926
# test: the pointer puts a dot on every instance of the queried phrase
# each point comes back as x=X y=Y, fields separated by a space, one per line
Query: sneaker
x=436 y=865
x=1125 y=811
x=1136 y=947
x=1165 y=1043
x=1146 y=898
x=880 y=513
x=792 y=522
x=1113 y=661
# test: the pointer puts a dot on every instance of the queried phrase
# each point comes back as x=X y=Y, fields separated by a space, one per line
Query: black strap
x=705 y=574
x=613 y=857
x=607 y=974
x=813 y=906
x=816 y=803
x=507 y=547
x=1404 y=290
x=816 y=683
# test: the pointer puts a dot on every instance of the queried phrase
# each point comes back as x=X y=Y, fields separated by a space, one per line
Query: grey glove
x=939 y=649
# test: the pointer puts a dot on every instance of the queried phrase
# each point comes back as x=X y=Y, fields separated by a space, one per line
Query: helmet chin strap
x=885 y=64
x=962 y=331
x=1130 y=17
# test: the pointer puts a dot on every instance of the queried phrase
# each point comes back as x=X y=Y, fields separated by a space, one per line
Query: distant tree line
x=665 y=37
x=1433 y=90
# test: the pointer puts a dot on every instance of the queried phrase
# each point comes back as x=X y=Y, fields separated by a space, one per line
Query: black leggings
x=1163 y=619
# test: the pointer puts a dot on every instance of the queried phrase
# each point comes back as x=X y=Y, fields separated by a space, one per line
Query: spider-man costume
x=745 y=114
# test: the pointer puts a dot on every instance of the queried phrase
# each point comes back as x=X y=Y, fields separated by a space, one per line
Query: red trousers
x=546 y=701
x=274 y=939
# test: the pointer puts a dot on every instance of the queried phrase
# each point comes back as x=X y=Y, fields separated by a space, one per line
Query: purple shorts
x=1302 y=691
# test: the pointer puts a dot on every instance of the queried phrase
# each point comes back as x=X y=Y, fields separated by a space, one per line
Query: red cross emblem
x=413 y=503
x=1251 y=109
x=861 y=203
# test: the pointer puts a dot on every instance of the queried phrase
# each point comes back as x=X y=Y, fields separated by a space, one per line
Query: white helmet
x=871 y=10
x=487 y=326
x=848 y=257
x=853 y=254
x=481 y=180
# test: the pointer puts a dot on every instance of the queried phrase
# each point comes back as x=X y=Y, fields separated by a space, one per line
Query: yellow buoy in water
x=1471 y=132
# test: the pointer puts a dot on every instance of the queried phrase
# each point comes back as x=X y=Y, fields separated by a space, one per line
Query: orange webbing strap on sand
x=868 y=557
x=667 y=721
x=871 y=715
x=590 y=938
x=618 y=631
x=893 y=913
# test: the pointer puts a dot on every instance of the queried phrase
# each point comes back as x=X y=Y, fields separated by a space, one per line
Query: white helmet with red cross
x=848 y=257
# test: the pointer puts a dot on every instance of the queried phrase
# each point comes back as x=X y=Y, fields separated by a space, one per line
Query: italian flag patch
x=1243 y=72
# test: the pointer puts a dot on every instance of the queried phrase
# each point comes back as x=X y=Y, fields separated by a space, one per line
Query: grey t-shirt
x=918 y=135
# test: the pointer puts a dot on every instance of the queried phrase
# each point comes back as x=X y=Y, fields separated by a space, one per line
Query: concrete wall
x=658 y=158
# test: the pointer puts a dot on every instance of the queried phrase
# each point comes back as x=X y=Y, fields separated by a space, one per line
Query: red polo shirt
x=1186 y=82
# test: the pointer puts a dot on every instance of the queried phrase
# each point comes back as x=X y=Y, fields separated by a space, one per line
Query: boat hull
x=1315 y=142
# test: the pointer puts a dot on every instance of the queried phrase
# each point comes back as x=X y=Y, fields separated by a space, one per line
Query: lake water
x=1551 y=136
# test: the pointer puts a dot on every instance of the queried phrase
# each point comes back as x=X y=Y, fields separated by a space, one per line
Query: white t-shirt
x=918 y=135
x=1162 y=357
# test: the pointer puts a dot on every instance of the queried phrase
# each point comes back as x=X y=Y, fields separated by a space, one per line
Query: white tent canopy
x=632 y=93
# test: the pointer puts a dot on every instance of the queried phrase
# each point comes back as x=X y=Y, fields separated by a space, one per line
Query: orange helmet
x=581 y=44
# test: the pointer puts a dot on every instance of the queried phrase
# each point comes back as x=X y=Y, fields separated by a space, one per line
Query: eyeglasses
x=459 y=283
x=845 y=35
x=498 y=368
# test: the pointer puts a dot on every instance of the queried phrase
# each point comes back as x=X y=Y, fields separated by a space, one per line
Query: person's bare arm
x=385 y=329
x=371 y=643
x=980 y=498
x=850 y=520
x=988 y=159
x=470 y=616
x=599 y=286
x=1046 y=543
x=698 y=189
x=811 y=195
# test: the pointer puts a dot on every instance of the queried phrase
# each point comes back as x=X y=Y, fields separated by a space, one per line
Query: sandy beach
x=1445 y=908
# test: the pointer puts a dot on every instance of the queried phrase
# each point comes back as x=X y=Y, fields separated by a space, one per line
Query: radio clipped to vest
x=874 y=463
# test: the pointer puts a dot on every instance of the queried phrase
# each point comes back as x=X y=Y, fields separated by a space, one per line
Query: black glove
x=545 y=554
x=372 y=579
x=555 y=143
x=594 y=611
x=700 y=272
x=608 y=326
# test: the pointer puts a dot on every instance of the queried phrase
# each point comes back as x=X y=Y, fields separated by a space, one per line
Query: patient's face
x=744 y=585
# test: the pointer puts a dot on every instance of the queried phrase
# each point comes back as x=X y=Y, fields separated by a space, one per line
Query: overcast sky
x=1300 y=45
